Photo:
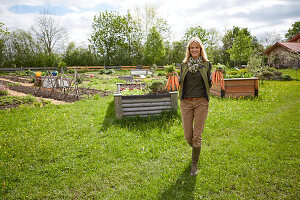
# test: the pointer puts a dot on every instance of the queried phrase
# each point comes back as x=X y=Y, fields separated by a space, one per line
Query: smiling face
x=195 y=50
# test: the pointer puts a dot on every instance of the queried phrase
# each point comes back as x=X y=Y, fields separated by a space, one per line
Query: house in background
x=284 y=54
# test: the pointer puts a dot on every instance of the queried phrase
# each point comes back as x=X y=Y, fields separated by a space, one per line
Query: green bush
x=286 y=77
x=71 y=71
x=157 y=87
x=232 y=73
x=161 y=74
x=242 y=72
x=107 y=71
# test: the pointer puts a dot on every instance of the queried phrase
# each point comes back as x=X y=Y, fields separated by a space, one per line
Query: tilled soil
x=56 y=94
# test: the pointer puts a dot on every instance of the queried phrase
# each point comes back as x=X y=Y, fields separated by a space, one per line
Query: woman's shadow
x=183 y=188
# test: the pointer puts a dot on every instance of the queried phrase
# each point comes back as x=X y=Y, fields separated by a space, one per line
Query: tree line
x=138 y=38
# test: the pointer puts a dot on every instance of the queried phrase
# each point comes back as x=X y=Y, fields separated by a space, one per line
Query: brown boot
x=195 y=158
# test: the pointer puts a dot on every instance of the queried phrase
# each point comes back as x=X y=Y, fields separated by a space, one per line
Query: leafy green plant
x=157 y=87
x=107 y=71
x=134 y=91
x=161 y=74
x=170 y=68
x=71 y=71
x=286 y=77
x=62 y=65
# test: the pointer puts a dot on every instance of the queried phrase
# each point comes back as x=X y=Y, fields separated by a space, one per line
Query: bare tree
x=49 y=32
x=271 y=38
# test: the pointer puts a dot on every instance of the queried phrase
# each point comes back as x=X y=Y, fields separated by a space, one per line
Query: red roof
x=295 y=38
x=290 y=46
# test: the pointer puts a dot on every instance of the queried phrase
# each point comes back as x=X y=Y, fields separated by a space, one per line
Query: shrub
x=233 y=73
x=71 y=71
x=29 y=73
x=62 y=65
x=161 y=74
x=286 y=77
x=107 y=71
x=242 y=72
x=157 y=87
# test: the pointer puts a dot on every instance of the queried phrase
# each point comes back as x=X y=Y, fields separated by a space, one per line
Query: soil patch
x=22 y=86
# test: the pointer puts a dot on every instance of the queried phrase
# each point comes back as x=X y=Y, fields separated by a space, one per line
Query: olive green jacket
x=205 y=73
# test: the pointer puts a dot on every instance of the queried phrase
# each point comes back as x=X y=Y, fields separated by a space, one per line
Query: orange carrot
x=168 y=82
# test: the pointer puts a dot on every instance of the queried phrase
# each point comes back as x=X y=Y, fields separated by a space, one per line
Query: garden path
x=15 y=93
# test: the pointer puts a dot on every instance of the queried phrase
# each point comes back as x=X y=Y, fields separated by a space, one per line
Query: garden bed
x=44 y=92
x=144 y=105
x=235 y=88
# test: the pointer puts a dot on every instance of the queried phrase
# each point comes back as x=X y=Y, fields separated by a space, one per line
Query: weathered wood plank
x=239 y=83
x=130 y=105
x=142 y=113
x=165 y=99
x=242 y=88
x=135 y=109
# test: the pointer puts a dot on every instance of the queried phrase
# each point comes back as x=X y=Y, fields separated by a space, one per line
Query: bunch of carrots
x=173 y=82
x=217 y=76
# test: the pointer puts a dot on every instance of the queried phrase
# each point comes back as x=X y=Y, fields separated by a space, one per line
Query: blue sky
x=259 y=16
x=55 y=9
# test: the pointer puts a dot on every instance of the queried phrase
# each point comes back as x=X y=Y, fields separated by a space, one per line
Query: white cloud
x=259 y=16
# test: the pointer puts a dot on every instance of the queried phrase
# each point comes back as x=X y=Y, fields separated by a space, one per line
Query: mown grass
x=250 y=150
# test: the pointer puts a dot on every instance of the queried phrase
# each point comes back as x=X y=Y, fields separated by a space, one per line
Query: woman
x=194 y=95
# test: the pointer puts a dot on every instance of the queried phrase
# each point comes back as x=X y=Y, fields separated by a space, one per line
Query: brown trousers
x=194 y=113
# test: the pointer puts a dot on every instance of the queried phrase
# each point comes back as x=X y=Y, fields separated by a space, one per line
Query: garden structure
x=237 y=87
x=144 y=105
x=139 y=72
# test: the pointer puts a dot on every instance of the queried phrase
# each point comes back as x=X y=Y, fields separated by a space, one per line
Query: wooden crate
x=237 y=87
x=144 y=105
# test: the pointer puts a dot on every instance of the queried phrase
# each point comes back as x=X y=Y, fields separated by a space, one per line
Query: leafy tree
x=293 y=31
x=228 y=41
x=255 y=61
x=149 y=18
x=178 y=52
x=3 y=33
x=154 y=48
x=199 y=32
x=79 y=56
x=22 y=50
x=241 y=48
x=116 y=37
x=212 y=46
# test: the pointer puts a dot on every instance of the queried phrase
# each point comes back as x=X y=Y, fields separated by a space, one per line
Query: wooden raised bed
x=144 y=105
x=237 y=87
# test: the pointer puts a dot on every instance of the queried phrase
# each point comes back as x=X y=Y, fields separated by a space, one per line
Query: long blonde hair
x=202 y=50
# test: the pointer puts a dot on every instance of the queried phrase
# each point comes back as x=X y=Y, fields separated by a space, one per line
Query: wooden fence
x=13 y=69
x=94 y=68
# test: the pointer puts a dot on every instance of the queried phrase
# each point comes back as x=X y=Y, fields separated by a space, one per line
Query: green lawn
x=250 y=151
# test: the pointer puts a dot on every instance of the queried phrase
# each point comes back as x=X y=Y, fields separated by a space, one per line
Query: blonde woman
x=194 y=94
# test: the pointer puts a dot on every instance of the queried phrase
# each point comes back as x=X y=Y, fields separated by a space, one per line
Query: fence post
x=119 y=88
x=118 y=105
x=174 y=100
